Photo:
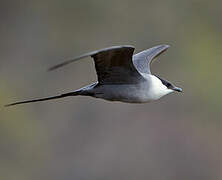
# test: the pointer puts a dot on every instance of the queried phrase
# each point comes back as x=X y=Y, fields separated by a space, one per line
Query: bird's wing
x=143 y=59
x=113 y=65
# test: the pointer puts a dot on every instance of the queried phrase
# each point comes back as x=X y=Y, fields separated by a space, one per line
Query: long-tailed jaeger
x=121 y=76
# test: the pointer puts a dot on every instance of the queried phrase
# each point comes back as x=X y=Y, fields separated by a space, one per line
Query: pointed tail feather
x=75 y=93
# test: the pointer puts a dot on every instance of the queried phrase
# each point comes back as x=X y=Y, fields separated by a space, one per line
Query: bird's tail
x=75 y=93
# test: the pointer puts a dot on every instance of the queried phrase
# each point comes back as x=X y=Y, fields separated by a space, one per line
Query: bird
x=121 y=76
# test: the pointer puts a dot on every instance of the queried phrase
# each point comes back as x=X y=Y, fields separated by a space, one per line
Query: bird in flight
x=121 y=76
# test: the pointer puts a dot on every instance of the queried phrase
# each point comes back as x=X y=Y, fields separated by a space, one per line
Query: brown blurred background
x=175 y=138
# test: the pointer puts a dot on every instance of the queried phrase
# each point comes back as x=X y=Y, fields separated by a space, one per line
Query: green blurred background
x=175 y=138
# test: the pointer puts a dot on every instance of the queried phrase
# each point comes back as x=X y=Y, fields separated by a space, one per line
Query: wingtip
x=55 y=67
x=160 y=49
x=51 y=69
x=167 y=46
x=156 y=51
x=7 y=105
x=164 y=46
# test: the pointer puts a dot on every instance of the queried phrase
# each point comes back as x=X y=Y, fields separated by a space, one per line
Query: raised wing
x=113 y=65
x=143 y=59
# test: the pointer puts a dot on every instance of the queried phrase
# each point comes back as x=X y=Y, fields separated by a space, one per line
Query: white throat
x=157 y=89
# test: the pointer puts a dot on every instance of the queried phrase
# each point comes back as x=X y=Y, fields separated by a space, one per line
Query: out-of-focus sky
x=177 y=137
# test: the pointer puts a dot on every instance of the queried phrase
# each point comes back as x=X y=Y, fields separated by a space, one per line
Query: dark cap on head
x=169 y=85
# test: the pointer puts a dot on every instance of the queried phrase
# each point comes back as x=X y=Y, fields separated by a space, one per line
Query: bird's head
x=170 y=86
x=160 y=87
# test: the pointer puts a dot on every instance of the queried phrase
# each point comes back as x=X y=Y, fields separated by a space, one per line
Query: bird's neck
x=157 y=88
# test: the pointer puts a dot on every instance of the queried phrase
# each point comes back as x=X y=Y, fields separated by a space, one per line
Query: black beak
x=177 y=89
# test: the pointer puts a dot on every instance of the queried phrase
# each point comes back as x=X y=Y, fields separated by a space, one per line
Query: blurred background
x=175 y=138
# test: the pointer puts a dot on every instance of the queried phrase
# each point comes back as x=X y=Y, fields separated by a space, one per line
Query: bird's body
x=122 y=76
x=144 y=91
